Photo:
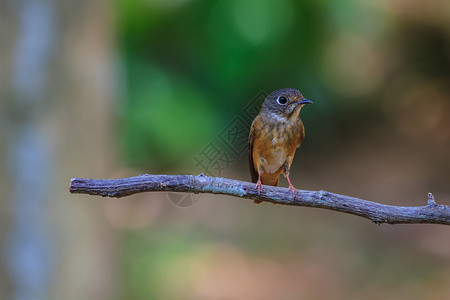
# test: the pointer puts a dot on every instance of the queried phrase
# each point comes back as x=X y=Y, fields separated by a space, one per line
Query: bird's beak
x=304 y=101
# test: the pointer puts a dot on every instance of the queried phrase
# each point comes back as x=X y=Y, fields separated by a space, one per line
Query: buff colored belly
x=273 y=159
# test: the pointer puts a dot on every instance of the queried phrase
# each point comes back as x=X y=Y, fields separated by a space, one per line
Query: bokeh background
x=106 y=89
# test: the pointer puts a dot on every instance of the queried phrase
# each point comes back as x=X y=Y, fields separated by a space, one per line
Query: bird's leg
x=291 y=187
x=286 y=174
x=258 y=183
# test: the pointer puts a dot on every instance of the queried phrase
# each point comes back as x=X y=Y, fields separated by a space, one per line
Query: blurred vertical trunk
x=55 y=109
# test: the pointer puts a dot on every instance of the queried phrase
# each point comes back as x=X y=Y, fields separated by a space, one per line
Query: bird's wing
x=302 y=135
x=251 y=138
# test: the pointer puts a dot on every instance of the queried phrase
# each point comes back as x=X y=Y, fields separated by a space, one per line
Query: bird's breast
x=276 y=141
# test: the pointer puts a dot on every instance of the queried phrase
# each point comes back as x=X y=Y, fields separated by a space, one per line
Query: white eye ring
x=282 y=100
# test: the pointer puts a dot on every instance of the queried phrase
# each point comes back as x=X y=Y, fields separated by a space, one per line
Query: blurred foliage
x=191 y=263
x=377 y=71
x=191 y=66
x=154 y=263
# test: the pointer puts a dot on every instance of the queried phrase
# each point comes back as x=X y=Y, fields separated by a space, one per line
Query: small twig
x=378 y=213
x=431 y=199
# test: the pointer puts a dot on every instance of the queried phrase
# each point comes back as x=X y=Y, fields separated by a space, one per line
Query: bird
x=275 y=134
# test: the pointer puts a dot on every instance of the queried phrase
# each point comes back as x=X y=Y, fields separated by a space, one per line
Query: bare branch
x=378 y=213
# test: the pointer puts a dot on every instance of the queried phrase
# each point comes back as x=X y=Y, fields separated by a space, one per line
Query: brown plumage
x=275 y=134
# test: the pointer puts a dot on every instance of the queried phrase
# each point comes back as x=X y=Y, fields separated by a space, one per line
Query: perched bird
x=275 y=134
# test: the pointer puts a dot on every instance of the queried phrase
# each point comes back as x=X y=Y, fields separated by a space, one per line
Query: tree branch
x=378 y=213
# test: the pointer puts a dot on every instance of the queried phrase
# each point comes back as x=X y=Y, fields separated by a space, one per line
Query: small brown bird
x=275 y=134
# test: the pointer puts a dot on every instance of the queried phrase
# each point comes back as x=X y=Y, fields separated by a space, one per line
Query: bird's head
x=284 y=104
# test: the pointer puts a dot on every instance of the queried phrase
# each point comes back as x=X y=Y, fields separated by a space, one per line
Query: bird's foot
x=259 y=186
x=293 y=189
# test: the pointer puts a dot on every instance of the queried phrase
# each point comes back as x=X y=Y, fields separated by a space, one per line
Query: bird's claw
x=259 y=187
x=293 y=189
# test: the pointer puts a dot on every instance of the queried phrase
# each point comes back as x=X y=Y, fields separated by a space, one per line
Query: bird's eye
x=282 y=100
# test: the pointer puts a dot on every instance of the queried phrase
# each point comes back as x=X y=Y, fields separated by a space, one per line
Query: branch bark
x=379 y=213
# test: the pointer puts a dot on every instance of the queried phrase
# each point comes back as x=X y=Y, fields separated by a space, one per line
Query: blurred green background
x=108 y=89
